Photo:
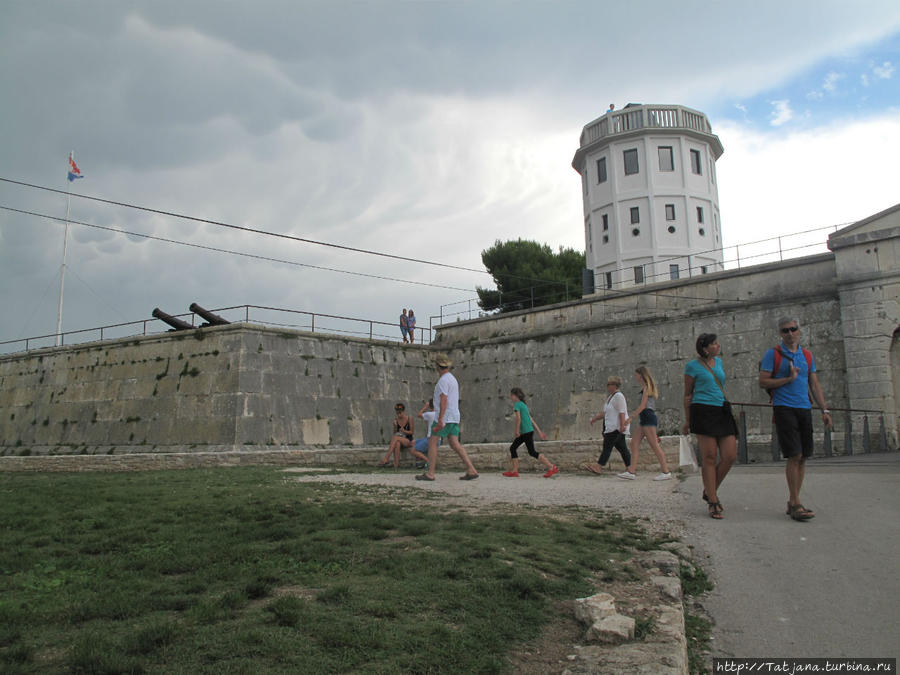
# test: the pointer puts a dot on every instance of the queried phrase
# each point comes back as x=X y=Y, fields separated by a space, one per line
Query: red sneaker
x=511 y=474
x=552 y=472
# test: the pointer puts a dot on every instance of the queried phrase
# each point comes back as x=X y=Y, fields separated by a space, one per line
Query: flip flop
x=588 y=467
x=424 y=476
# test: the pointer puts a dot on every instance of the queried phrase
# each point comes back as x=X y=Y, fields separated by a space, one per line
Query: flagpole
x=62 y=270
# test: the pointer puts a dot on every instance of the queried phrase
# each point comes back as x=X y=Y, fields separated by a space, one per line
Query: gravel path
x=663 y=502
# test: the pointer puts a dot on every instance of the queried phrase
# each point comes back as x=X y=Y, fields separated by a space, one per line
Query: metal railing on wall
x=854 y=425
x=736 y=257
x=315 y=322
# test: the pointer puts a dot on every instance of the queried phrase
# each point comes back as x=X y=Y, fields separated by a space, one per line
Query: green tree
x=529 y=274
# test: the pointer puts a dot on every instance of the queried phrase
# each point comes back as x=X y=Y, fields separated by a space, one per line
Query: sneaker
x=420 y=465
x=469 y=476
x=511 y=474
x=552 y=472
x=663 y=476
x=627 y=475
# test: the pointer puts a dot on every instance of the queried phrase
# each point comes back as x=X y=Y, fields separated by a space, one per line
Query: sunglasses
x=790 y=329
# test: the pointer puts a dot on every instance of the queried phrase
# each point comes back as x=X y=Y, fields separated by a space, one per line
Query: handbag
x=686 y=457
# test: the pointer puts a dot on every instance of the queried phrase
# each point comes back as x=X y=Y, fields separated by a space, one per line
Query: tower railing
x=645 y=116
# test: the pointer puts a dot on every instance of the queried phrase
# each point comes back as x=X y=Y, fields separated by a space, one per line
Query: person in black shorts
x=788 y=372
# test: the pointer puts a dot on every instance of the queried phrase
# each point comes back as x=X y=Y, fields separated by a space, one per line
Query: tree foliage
x=529 y=274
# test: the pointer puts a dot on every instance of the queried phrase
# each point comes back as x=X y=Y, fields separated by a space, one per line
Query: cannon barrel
x=175 y=323
x=209 y=317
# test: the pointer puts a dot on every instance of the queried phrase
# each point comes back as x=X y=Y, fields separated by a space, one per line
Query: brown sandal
x=799 y=512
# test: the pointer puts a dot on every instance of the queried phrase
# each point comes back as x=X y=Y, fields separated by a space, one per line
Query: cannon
x=175 y=323
x=211 y=319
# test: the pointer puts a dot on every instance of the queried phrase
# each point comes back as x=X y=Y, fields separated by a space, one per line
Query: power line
x=242 y=228
x=224 y=250
x=267 y=233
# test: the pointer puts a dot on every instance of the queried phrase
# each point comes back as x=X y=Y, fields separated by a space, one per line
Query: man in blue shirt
x=789 y=372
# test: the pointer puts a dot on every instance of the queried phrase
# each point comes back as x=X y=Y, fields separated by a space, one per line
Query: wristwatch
x=825 y=411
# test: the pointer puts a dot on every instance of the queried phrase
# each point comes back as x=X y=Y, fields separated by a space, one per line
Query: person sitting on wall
x=404 y=433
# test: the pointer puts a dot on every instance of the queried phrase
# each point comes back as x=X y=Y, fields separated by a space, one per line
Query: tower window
x=601 y=170
x=703 y=269
x=639 y=274
x=605 y=222
x=635 y=232
x=605 y=238
x=673 y=271
x=631 y=161
x=671 y=229
x=670 y=212
x=696 y=167
x=699 y=214
x=666 y=158
x=635 y=214
x=609 y=279
x=702 y=232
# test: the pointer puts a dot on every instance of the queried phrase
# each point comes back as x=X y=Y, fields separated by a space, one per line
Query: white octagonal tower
x=651 y=206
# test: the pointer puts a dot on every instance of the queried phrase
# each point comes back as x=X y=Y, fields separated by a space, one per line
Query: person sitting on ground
x=420 y=447
x=404 y=433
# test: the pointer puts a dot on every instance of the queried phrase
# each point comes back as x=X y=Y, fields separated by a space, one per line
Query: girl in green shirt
x=525 y=427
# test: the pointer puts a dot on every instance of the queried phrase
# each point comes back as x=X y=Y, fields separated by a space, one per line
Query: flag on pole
x=74 y=171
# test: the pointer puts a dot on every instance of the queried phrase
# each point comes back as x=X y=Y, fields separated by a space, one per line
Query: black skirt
x=712 y=420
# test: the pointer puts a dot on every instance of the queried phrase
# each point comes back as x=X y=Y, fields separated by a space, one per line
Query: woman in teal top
x=707 y=415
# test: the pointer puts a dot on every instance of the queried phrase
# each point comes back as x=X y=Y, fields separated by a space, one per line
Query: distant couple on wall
x=408 y=326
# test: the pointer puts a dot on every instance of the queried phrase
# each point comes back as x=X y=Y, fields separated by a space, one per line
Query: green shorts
x=450 y=429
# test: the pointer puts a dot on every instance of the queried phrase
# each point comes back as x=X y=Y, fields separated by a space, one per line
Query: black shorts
x=794 y=429
x=712 y=420
x=647 y=418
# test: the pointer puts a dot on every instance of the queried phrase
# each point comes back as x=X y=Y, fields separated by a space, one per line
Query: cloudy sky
x=426 y=130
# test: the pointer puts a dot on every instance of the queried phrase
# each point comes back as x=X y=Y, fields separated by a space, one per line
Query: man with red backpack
x=788 y=373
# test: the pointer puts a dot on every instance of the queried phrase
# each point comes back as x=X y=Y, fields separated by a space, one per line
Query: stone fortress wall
x=250 y=388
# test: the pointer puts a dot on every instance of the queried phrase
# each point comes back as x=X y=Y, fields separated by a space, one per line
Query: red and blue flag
x=74 y=171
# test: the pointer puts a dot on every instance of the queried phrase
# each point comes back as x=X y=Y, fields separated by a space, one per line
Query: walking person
x=788 y=372
x=411 y=326
x=404 y=433
x=446 y=424
x=613 y=415
x=404 y=326
x=647 y=425
x=707 y=414
x=525 y=428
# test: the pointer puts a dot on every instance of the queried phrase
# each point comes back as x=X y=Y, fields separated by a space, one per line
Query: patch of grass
x=240 y=570
x=643 y=627
x=697 y=631
x=694 y=580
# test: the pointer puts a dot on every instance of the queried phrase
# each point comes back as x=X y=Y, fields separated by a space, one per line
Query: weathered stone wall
x=562 y=355
x=228 y=386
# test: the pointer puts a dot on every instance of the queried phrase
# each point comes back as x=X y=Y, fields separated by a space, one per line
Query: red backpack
x=779 y=357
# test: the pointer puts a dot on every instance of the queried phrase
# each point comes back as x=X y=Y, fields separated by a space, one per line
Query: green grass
x=698 y=630
x=242 y=571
